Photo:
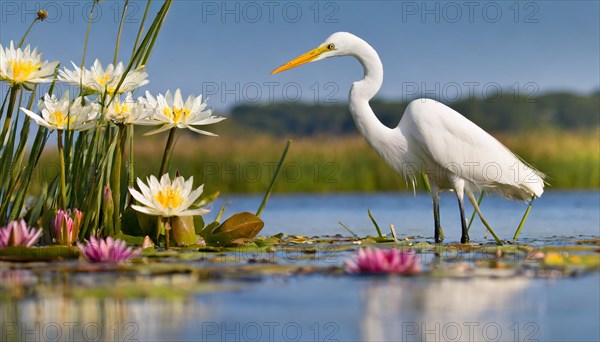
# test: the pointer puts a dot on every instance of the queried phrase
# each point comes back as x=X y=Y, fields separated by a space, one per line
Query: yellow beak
x=305 y=58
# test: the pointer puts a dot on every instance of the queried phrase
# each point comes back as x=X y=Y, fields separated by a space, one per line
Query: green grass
x=569 y=159
x=245 y=164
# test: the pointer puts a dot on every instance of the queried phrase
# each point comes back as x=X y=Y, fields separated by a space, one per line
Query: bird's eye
x=331 y=46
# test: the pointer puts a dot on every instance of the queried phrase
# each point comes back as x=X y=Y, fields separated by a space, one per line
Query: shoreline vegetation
x=244 y=163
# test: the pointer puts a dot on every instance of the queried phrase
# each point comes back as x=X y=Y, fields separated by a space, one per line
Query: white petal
x=146 y=191
x=201 y=131
x=159 y=130
x=178 y=100
x=140 y=198
x=194 y=212
x=37 y=118
x=208 y=121
x=165 y=181
x=154 y=184
x=149 y=211
x=193 y=196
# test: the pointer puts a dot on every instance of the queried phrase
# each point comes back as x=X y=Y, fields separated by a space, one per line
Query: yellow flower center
x=177 y=114
x=169 y=197
x=121 y=111
x=60 y=120
x=22 y=70
x=103 y=80
x=111 y=90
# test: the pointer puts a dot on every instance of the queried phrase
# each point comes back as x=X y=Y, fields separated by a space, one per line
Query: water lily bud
x=147 y=243
x=42 y=14
x=107 y=201
x=108 y=209
x=66 y=226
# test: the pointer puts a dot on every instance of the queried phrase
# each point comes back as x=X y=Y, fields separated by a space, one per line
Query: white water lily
x=127 y=112
x=62 y=114
x=97 y=79
x=170 y=111
x=24 y=66
x=166 y=198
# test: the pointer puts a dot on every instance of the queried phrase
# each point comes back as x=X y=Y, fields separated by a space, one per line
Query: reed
x=245 y=164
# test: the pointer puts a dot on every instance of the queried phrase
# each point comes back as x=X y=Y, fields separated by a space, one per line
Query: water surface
x=496 y=305
x=555 y=214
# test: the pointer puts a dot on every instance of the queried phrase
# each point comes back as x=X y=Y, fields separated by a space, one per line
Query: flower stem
x=63 y=177
x=131 y=168
x=159 y=20
x=141 y=29
x=119 y=32
x=14 y=91
x=27 y=32
x=85 y=44
x=167 y=224
x=268 y=193
x=166 y=159
x=116 y=181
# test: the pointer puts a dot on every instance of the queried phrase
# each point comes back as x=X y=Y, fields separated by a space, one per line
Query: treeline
x=507 y=113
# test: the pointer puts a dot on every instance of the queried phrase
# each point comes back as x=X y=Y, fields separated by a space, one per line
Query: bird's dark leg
x=436 y=218
x=463 y=220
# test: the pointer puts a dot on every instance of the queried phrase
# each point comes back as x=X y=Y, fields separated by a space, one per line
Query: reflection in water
x=95 y=319
x=50 y=312
x=473 y=309
x=42 y=307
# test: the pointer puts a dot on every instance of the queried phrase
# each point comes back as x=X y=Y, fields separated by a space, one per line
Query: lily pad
x=243 y=225
x=49 y=253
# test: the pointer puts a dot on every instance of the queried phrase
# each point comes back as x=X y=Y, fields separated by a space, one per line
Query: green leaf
x=130 y=224
x=375 y=224
x=206 y=231
x=198 y=224
x=39 y=254
x=204 y=200
x=183 y=230
x=262 y=241
x=130 y=240
x=148 y=224
x=239 y=226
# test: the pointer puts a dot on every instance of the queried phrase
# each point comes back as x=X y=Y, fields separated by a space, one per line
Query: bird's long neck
x=377 y=134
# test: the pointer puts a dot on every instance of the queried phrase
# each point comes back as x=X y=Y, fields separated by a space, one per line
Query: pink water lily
x=107 y=250
x=383 y=261
x=17 y=233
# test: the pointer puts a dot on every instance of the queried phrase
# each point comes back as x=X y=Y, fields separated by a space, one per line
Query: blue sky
x=437 y=48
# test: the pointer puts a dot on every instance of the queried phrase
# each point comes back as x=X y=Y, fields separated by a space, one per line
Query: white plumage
x=431 y=138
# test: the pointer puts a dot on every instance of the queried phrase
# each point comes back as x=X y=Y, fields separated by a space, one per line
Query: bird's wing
x=442 y=138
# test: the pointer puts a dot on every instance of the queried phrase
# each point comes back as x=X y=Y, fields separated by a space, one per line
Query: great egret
x=431 y=139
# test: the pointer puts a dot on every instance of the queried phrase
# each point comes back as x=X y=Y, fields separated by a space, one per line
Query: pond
x=302 y=295
x=555 y=214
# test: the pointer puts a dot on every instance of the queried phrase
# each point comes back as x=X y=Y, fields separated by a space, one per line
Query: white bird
x=431 y=139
